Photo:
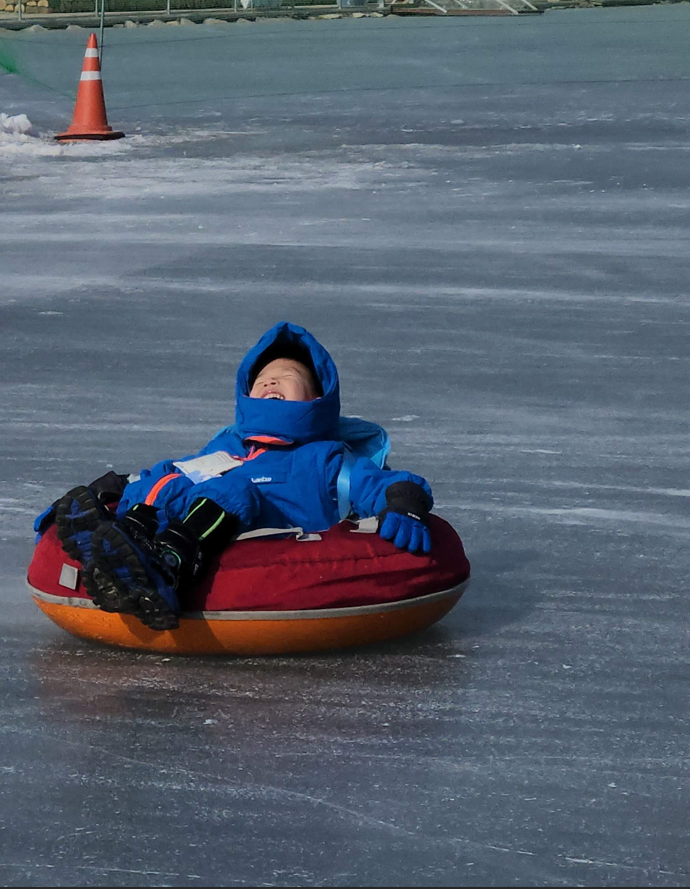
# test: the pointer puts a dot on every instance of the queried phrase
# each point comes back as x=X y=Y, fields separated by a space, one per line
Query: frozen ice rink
x=486 y=221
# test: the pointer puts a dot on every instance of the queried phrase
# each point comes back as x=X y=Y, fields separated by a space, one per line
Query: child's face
x=286 y=380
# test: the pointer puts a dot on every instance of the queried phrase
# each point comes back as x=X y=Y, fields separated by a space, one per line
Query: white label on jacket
x=201 y=469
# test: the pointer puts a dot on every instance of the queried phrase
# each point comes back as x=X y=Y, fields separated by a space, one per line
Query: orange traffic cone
x=90 y=120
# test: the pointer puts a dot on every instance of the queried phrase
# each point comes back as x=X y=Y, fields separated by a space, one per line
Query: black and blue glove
x=108 y=487
x=405 y=518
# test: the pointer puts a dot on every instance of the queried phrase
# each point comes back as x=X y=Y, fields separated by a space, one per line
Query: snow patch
x=18 y=136
x=17 y=126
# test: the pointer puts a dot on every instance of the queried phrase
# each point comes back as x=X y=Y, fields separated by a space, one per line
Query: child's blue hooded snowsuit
x=293 y=483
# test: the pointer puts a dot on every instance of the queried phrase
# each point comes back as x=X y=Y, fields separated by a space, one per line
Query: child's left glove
x=405 y=518
x=109 y=487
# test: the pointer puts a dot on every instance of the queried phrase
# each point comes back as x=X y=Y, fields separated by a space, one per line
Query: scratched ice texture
x=486 y=221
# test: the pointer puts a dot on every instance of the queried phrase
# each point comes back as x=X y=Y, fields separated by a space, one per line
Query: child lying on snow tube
x=277 y=467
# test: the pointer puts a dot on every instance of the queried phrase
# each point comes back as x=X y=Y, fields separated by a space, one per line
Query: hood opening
x=284 y=348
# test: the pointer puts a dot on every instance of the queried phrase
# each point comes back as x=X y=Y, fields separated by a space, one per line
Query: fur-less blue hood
x=295 y=421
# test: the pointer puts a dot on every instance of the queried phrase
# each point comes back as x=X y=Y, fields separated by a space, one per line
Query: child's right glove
x=405 y=518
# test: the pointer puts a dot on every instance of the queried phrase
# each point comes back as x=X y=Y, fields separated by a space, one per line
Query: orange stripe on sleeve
x=158 y=487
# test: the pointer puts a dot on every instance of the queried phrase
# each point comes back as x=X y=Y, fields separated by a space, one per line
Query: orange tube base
x=254 y=633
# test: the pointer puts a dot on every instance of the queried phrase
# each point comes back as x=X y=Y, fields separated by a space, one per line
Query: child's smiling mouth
x=273 y=394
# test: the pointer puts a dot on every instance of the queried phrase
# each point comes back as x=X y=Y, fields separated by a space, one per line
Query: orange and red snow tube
x=277 y=595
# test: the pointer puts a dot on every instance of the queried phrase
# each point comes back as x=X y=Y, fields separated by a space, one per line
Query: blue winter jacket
x=293 y=480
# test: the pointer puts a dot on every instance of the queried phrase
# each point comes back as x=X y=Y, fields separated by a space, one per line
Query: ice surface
x=486 y=221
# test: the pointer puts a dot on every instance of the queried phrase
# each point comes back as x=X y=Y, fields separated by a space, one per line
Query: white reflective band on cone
x=91 y=54
x=90 y=75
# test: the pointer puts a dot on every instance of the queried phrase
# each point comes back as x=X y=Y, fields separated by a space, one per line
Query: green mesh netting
x=7 y=60
x=166 y=66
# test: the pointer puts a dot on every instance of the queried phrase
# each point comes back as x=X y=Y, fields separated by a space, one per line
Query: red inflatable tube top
x=342 y=569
